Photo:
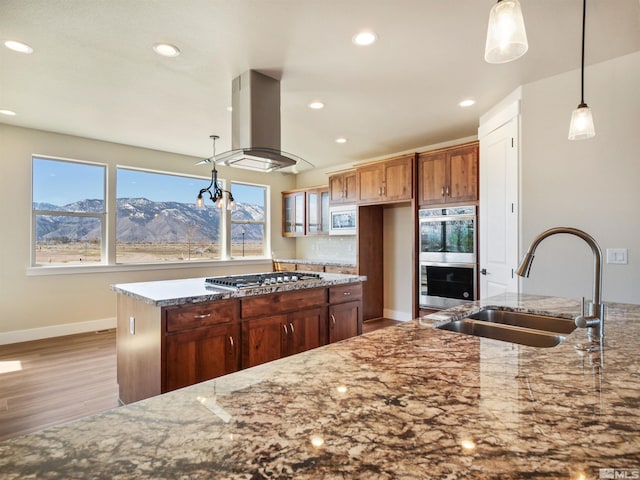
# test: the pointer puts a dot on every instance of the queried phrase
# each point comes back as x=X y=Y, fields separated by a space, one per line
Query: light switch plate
x=617 y=256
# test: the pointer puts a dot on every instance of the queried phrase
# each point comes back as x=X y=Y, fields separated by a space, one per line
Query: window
x=157 y=220
x=153 y=215
x=248 y=220
x=68 y=220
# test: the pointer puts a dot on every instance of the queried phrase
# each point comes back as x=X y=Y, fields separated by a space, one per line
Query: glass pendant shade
x=506 y=35
x=200 y=202
x=581 y=126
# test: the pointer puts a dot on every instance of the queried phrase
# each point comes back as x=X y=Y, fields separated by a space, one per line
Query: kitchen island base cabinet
x=163 y=348
x=200 y=355
x=344 y=320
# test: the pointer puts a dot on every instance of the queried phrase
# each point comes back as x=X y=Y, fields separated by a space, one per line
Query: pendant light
x=218 y=193
x=581 y=126
x=506 y=36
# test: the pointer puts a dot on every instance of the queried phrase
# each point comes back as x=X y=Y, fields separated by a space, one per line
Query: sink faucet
x=595 y=319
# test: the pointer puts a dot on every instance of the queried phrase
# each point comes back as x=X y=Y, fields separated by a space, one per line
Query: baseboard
x=397 y=315
x=51 y=331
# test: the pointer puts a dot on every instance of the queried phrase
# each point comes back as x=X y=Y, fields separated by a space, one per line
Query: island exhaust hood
x=255 y=128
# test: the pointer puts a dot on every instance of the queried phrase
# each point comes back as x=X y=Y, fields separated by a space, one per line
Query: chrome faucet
x=594 y=321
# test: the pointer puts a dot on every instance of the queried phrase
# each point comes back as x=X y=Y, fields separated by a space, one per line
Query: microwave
x=343 y=220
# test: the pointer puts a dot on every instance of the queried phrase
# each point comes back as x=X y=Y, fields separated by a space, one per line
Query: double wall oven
x=448 y=259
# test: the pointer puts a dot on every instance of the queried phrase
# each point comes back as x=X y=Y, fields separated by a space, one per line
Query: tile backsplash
x=332 y=248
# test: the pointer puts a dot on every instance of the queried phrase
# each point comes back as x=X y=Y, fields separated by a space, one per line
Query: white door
x=499 y=210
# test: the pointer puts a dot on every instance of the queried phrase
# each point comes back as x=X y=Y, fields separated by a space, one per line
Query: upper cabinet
x=448 y=175
x=342 y=187
x=305 y=212
x=386 y=181
x=293 y=214
x=318 y=211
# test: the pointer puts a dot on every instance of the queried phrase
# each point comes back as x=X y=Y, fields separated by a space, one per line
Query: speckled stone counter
x=168 y=293
x=406 y=402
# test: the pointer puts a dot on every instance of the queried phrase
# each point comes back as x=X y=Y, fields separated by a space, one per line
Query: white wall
x=592 y=184
x=398 y=262
x=49 y=305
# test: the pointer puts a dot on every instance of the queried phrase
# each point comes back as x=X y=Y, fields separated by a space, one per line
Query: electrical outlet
x=132 y=325
x=617 y=256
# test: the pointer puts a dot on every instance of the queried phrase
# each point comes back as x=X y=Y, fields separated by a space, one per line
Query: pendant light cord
x=584 y=17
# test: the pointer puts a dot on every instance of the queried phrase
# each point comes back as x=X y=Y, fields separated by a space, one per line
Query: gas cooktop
x=237 y=282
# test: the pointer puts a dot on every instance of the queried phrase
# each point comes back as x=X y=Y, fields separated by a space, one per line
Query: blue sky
x=61 y=183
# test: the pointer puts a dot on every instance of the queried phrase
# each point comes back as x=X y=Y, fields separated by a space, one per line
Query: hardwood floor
x=46 y=382
x=371 y=325
x=52 y=381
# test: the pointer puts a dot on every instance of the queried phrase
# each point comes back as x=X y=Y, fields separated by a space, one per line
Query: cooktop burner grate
x=260 y=280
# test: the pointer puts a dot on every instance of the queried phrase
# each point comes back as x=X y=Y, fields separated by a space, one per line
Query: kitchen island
x=174 y=333
x=406 y=402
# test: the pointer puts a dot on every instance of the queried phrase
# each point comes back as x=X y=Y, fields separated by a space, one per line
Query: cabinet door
x=398 y=179
x=264 y=340
x=343 y=320
x=463 y=174
x=432 y=178
x=336 y=188
x=317 y=212
x=303 y=329
x=293 y=215
x=199 y=355
x=369 y=183
x=350 y=187
x=325 y=219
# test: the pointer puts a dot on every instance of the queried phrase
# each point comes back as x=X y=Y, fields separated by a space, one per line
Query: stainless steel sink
x=525 y=320
x=505 y=333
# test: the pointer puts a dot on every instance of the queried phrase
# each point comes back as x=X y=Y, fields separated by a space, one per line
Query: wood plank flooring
x=52 y=381
x=46 y=382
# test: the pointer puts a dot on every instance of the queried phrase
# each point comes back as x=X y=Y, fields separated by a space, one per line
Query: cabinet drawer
x=283 y=302
x=206 y=314
x=336 y=269
x=343 y=293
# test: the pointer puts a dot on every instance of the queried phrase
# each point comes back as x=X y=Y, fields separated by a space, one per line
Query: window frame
x=108 y=219
x=265 y=223
x=102 y=217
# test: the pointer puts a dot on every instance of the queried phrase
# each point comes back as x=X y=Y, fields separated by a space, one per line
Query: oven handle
x=447 y=218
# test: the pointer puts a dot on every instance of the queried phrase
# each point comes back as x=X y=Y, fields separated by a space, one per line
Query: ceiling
x=94 y=74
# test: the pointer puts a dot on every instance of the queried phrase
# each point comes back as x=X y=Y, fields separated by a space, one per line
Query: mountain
x=140 y=220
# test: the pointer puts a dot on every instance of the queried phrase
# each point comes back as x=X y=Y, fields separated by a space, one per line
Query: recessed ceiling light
x=341 y=140
x=166 y=49
x=18 y=46
x=316 y=105
x=364 y=38
x=10 y=113
x=467 y=103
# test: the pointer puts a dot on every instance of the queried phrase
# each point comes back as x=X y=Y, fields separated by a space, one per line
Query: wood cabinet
x=345 y=312
x=200 y=342
x=448 y=175
x=342 y=187
x=387 y=181
x=293 y=214
x=305 y=212
x=317 y=211
x=282 y=324
x=165 y=348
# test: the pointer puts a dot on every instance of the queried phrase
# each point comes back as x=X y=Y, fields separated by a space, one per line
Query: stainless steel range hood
x=255 y=127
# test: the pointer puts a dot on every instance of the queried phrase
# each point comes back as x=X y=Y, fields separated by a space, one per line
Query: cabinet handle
x=293 y=330
x=448 y=194
x=333 y=318
x=442 y=192
x=204 y=315
x=286 y=332
x=231 y=342
x=384 y=190
x=346 y=293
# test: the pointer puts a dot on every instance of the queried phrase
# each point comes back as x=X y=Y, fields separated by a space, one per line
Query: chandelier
x=215 y=191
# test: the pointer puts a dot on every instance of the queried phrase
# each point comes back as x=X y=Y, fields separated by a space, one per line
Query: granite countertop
x=166 y=293
x=408 y=402
x=305 y=261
